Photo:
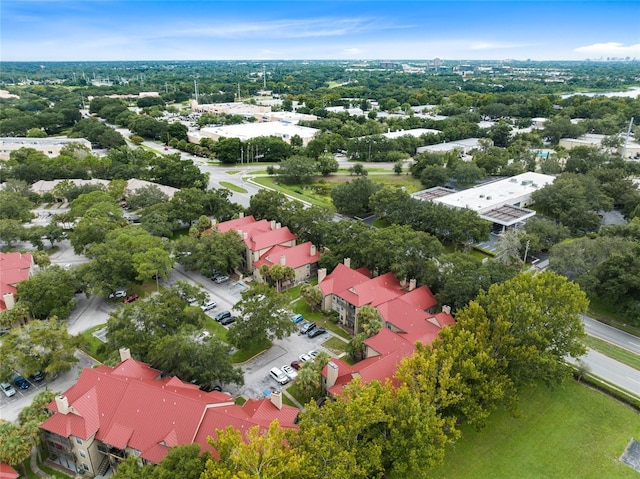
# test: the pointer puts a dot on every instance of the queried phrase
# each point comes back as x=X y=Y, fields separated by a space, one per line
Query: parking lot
x=10 y=407
x=283 y=351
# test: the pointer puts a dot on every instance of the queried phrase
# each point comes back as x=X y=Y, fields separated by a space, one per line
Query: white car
x=7 y=389
x=313 y=353
x=304 y=358
x=208 y=305
x=289 y=371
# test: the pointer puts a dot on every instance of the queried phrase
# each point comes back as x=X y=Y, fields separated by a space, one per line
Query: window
x=85 y=467
x=78 y=440
x=82 y=454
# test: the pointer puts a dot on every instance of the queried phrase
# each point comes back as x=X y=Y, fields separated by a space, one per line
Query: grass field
x=232 y=187
x=614 y=352
x=569 y=432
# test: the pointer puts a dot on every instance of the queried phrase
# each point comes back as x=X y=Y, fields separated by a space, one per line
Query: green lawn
x=232 y=187
x=246 y=354
x=614 y=352
x=335 y=345
x=569 y=432
x=93 y=342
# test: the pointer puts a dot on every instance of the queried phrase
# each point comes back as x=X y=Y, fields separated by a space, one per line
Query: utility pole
x=626 y=139
x=526 y=251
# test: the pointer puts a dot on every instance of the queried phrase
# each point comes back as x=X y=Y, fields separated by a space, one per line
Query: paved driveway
x=283 y=351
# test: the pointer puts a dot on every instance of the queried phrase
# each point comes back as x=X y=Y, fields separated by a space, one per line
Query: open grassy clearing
x=92 y=342
x=335 y=345
x=246 y=354
x=568 y=432
x=308 y=193
x=232 y=187
x=614 y=352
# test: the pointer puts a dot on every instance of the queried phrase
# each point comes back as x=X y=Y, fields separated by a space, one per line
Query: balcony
x=112 y=451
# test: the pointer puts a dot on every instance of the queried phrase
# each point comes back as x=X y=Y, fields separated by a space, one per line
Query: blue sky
x=59 y=30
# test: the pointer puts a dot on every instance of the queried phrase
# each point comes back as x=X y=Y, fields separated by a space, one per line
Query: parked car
x=306 y=327
x=228 y=320
x=296 y=318
x=21 y=382
x=221 y=279
x=304 y=358
x=202 y=336
x=295 y=365
x=222 y=315
x=208 y=305
x=8 y=389
x=316 y=332
x=279 y=376
x=289 y=371
x=313 y=353
x=118 y=293
x=37 y=376
x=131 y=299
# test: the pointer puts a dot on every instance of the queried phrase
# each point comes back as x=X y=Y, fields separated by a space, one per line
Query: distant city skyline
x=104 y=30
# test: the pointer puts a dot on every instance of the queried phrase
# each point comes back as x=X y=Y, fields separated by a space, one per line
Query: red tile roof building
x=113 y=412
x=405 y=313
x=269 y=243
x=7 y=472
x=14 y=268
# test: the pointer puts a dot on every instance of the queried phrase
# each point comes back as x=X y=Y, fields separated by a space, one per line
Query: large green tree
x=38 y=346
x=352 y=197
x=263 y=317
x=49 y=292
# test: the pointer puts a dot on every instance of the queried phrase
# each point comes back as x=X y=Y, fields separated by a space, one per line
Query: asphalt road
x=612 y=371
x=600 y=330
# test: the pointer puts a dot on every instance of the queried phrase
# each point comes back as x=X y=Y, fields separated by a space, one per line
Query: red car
x=295 y=365
x=131 y=298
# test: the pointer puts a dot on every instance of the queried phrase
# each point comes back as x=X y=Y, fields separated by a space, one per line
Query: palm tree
x=308 y=381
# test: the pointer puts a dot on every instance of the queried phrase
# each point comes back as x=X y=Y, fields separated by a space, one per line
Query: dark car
x=21 y=382
x=295 y=365
x=222 y=315
x=131 y=299
x=228 y=320
x=37 y=376
x=316 y=332
x=306 y=327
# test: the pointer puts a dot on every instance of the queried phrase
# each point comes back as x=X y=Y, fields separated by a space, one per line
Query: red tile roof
x=342 y=278
x=7 y=472
x=373 y=292
x=238 y=223
x=258 y=240
x=14 y=268
x=295 y=256
x=421 y=297
x=127 y=406
x=386 y=341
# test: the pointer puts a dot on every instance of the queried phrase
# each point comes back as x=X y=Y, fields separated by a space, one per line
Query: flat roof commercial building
x=248 y=131
x=502 y=202
x=49 y=146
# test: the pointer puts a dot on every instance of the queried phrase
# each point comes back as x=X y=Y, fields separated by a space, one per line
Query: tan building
x=49 y=146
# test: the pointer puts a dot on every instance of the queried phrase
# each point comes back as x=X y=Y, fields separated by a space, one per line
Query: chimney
x=283 y=260
x=332 y=374
x=278 y=226
x=312 y=251
x=322 y=274
x=446 y=309
x=245 y=235
x=347 y=262
x=214 y=222
x=125 y=354
x=276 y=399
x=241 y=214
x=412 y=284
x=273 y=224
x=62 y=403
x=9 y=300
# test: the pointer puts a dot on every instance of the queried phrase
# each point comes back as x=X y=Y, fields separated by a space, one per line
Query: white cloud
x=353 y=50
x=610 y=49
